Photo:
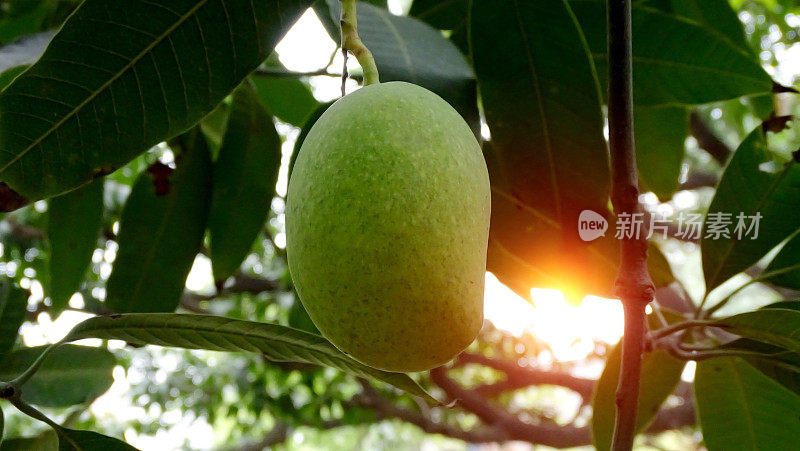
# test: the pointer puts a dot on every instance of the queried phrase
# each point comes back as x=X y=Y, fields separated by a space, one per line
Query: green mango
x=387 y=224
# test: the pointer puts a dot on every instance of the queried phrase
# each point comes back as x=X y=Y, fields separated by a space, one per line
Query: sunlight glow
x=569 y=330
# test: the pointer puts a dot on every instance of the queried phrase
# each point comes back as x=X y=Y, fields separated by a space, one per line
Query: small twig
x=633 y=284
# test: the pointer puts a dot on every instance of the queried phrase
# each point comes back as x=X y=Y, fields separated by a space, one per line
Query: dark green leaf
x=442 y=14
x=8 y=76
x=407 y=49
x=716 y=15
x=660 y=375
x=740 y=408
x=784 y=269
x=13 y=304
x=74 y=220
x=660 y=137
x=70 y=375
x=72 y=440
x=695 y=65
x=161 y=231
x=775 y=326
x=47 y=441
x=22 y=17
x=245 y=174
x=753 y=184
x=111 y=85
x=781 y=365
x=275 y=342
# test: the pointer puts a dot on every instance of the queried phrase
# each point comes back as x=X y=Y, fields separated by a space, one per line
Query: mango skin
x=387 y=224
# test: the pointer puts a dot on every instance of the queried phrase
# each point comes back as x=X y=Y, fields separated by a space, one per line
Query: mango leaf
x=74 y=221
x=161 y=232
x=775 y=362
x=754 y=185
x=23 y=17
x=8 y=76
x=660 y=135
x=72 y=440
x=448 y=15
x=661 y=373
x=775 y=326
x=245 y=174
x=82 y=110
x=47 y=441
x=784 y=269
x=696 y=65
x=740 y=408
x=277 y=343
x=13 y=304
x=717 y=15
x=287 y=98
x=406 y=49
x=70 y=375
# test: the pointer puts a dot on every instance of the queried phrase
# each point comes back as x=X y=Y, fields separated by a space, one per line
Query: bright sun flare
x=569 y=330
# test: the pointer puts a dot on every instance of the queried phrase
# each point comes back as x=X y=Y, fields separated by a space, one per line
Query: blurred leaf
x=213 y=126
x=74 y=220
x=277 y=343
x=740 y=408
x=245 y=174
x=24 y=51
x=82 y=110
x=70 y=375
x=775 y=326
x=716 y=15
x=161 y=231
x=784 y=269
x=660 y=135
x=47 y=441
x=753 y=184
x=694 y=66
x=13 y=305
x=442 y=14
x=407 y=49
x=661 y=373
x=22 y=17
x=72 y=440
x=289 y=99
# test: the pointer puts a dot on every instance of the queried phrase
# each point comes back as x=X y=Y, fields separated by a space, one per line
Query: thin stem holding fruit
x=633 y=285
x=352 y=42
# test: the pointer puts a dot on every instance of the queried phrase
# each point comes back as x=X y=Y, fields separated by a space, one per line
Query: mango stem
x=352 y=42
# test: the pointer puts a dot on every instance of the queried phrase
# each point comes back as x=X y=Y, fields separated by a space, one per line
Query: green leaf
x=740 y=408
x=543 y=108
x=442 y=14
x=70 y=375
x=245 y=174
x=660 y=135
x=47 y=441
x=407 y=49
x=661 y=373
x=753 y=183
x=784 y=269
x=13 y=304
x=277 y=343
x=716 y=15
x=8 y=76
x=287 y=98
x=22 y=17
x=775 y=326
x=695 y=65
x=111 y=85
x=161 y=232
x=779 y=364
x=74 y=221
x=72 y=440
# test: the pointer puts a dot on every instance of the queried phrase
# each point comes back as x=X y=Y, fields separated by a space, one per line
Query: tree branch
x=633 y=284
x=707 y=139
